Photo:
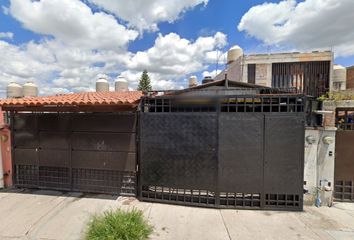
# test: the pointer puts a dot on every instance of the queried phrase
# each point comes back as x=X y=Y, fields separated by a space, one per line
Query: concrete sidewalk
x=49 y=215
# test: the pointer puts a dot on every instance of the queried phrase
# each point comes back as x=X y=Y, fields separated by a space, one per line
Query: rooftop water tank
x=14 y=90
x=193 y=81
x=339 y=73
x=234 y=53
x=102 y=85
x=30 y=89
x=121 y=85
x=207 y=79
x=339 y=77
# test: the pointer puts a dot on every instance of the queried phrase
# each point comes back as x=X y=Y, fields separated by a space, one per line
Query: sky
x=65 y=45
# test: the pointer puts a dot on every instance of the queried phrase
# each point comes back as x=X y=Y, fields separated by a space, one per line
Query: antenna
x=225 y=62
x=217 y=62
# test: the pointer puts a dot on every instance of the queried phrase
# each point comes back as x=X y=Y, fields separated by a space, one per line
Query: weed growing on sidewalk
x=118 y=225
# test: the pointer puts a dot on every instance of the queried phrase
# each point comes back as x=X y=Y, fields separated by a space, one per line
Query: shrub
x=337 y=96
x=118 y=225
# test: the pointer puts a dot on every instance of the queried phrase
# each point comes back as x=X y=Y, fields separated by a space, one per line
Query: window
x=251 y=73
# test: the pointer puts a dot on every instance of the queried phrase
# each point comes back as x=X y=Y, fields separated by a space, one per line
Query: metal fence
x=223 y=151
x=344 y=164
x=86 y=152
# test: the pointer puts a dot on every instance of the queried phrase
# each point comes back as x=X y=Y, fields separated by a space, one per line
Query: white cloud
x=211 y=73
x=54 y=66
x=145 y=15
x=172 y=58
x=8 y=35
x=176 y=56
x=307 y=25
x=83 y=44
x=73 y=23
x=17 y=64
x=5 y=10
x=158 y=80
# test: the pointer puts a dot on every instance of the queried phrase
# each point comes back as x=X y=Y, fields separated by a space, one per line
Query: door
x=76 y=152
x=230 y=160
x=344 y=161
x=344 y=166
x=284 y=160
x=178 y=157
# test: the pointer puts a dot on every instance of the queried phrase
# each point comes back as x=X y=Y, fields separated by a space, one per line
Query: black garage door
x=344 y=164
x=88 y=152
x=242 y=152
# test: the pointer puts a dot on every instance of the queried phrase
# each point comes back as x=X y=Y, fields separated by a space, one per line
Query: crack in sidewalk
x=54 y=209
x=223 y=221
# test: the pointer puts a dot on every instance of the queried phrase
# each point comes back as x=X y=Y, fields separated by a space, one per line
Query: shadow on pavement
x=58 y=193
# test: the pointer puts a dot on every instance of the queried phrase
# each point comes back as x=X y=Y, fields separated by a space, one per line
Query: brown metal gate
x=344 y=162
x=88 y=152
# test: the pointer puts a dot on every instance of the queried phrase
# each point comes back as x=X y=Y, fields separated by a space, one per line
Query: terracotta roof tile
x=86 y=98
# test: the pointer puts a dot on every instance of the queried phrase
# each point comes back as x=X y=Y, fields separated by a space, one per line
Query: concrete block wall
x=319 y=166
x=329 y=118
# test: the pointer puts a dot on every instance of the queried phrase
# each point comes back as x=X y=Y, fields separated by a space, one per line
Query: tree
x=144 y=83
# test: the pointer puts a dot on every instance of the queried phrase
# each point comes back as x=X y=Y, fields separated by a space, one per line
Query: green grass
x=118 y=225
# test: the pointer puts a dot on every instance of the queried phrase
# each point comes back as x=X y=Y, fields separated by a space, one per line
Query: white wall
x=319 y=166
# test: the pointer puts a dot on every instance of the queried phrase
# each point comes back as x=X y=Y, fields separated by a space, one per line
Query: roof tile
x=86 y=98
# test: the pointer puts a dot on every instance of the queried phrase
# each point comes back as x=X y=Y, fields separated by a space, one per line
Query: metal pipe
x=322 y=112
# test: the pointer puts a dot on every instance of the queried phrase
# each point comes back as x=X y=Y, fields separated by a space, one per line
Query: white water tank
x=102 y=85
x=234 y=53
x=193 y=81
x=14 y=90
x=339 y=77
x=121 y=85
x=30 y=89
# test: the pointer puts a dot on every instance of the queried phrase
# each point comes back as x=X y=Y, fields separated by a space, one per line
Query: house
x=223 y=144
x=309 y=73
x=350 y=77
x=76 y=142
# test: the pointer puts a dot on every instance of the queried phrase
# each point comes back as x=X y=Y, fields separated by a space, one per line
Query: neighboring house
x=310 y=73
x=339 y=78
x=76 y=142
x=223 y=87
x=350 y=77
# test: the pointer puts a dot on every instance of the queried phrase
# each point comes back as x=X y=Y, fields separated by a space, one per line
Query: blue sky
x=34 y=34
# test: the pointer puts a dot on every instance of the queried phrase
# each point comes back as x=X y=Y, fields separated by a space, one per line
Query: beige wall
x=264 y=61
x=238 y=70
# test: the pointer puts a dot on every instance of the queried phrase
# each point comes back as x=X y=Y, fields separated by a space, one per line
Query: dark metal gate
x=86 y=152
x=344 y=162
x=236 y=152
